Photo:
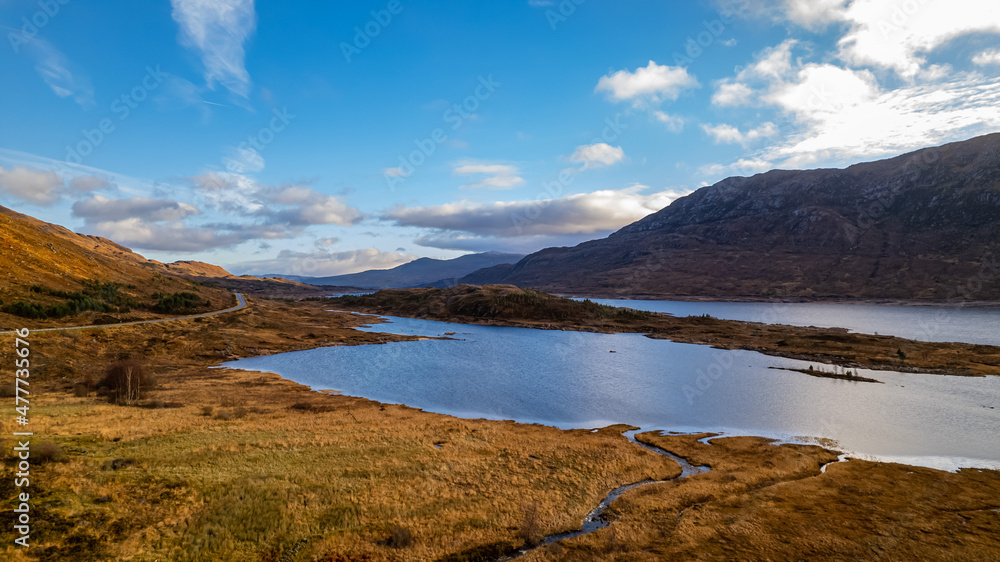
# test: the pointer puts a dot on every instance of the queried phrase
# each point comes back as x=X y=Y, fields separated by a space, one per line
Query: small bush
x=127 y=381
x=399 y=537
x=48 y=452
x=207 y=410
x=80 y=390
x=8 y=390
x=531 y=528
x=224 y=415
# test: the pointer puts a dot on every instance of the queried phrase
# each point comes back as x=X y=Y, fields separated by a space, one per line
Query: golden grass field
x=234 y=465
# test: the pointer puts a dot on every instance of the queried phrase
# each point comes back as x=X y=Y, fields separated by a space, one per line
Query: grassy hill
x=50 y=275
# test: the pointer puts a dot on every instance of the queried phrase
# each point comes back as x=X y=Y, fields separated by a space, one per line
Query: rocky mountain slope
x=924 y=225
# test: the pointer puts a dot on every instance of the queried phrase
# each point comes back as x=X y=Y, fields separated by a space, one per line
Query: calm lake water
x=924 y=323
x=572 y=380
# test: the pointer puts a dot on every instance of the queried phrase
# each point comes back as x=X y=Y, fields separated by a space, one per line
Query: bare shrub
x=399 y=537
x=8 y=390
x=224 y=415
x=127 y=381
x=80 y=390
x=48 y=452
x=207 y=410
x=530 y=530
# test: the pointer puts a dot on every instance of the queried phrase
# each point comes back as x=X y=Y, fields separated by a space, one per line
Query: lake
x=925 y=323
x=572 y=380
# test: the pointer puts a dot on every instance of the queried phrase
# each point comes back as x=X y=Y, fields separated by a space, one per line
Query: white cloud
x=985 y=58
x=728 y=134
x=741 y=167
x=892 y=122
x=158 y=224
x=176 y=236
x=290 y=205
x=809 y=14
x=673 y=123
x=815 y=14
x=499 y=176
x=323 y=263
x=582 y=213
x=99 y=208
x=394 y=172
x=218 y=29
x=306 y=207
x=731 y=94
x=598 y=155
x=652 y=83
x=897 y=35
x=31 y=185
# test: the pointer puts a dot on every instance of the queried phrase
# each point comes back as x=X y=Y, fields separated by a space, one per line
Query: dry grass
x=334 y=479
x=766 y=502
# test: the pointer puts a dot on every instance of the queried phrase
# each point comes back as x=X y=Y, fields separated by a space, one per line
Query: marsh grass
x=340 y=475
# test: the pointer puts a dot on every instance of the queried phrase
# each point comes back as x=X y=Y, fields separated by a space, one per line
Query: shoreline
x=900 y=302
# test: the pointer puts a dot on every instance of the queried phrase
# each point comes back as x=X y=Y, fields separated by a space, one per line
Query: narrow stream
x=595 y=520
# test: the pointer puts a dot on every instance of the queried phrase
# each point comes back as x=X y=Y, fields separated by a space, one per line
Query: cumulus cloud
x=498 y=176
x=290 y=205
x=218 y=30
x=305 y=206
x=323 y=263
x=897 y=36
x=100 y=208
x=987 y=58
x=598 y=155
x=834 y=114
x=31 y=185
x=728 y=134
x=650 y=84
x=731 y=94
x=177 y=236
x=583 y=213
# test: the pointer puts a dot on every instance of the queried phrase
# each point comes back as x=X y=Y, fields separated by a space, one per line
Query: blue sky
x=318 y=138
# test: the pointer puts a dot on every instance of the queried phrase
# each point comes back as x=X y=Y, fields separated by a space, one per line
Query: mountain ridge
x=923 y=225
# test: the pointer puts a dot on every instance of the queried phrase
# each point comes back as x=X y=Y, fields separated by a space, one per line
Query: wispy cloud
x=218 y=30
x=498 y=176
x=64 y=78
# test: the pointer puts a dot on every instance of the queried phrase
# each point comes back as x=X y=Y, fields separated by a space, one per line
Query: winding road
x=241 y=303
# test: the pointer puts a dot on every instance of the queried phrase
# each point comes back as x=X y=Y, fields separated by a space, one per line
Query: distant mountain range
x=924 y=225
x=417 y=273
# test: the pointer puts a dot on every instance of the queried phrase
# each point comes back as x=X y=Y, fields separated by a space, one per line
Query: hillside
x=417 y=273
x=924 y=225
x=58 y=275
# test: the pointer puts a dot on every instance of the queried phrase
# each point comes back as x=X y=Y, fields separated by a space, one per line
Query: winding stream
x=595 y=520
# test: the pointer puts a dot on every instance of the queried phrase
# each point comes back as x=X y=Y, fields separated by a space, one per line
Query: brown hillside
x=35 y=253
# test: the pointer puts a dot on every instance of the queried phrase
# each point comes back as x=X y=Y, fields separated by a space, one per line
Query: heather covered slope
x=924 y=225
